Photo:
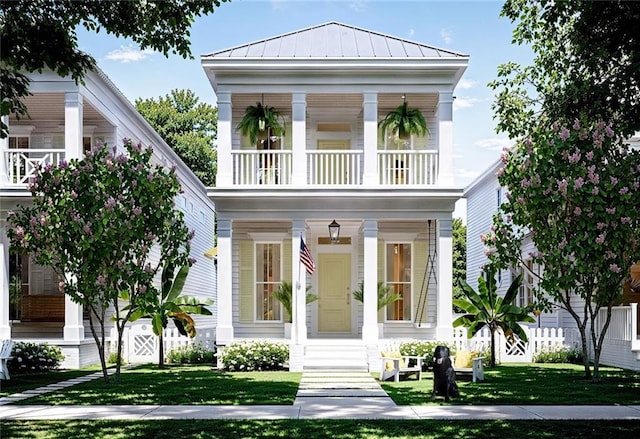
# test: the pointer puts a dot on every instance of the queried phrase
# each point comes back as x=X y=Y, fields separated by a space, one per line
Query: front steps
x=341 y=355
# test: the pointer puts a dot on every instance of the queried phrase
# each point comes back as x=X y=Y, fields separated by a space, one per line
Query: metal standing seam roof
x=334 y=40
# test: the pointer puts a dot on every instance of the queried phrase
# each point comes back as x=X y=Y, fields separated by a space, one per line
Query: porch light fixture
x=334 y=231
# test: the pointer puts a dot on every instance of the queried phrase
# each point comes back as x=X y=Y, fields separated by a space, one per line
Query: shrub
x=558 y=354
x=34 y=357
x=424 y=347
x=254 y=355
x=193 y=353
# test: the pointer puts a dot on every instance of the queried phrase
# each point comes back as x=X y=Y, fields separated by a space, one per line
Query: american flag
x=305 y=257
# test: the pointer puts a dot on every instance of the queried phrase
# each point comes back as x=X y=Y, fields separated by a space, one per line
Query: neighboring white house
x=65 y=120
x=484 y=196
x=393 y=199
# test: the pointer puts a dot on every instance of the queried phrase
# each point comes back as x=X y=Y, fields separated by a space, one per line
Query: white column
x=299 y=283
x=370 y=116
x=370 y=305
x=224 y=330
x=5 y=328
x=4 y=147
x=73 y=109
x=224 y=177
x=299 y=139
x=444 y=315
x=444 y=116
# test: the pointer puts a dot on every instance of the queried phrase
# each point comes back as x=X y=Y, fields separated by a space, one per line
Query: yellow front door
x=334 y=297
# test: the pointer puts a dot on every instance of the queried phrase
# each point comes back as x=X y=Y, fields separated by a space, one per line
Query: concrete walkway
x=322 y=395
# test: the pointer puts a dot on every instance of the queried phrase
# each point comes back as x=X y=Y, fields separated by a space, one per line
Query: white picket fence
x=141 y=345
x=517 y=351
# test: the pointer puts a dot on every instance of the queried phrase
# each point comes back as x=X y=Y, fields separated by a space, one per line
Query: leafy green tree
x=95 y=222
x=459 y=256
x=586 y=64
x=573 y=191
x=485 y=308
x=39 y=34
x=188 y=126
x=169 y=303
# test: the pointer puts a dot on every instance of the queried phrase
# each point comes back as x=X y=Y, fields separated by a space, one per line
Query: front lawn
x=27 y=381
x=529 y=384
x=175 y=385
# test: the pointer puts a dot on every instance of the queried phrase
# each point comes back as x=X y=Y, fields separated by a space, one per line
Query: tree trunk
x=161 y=351
x=493 y=347
x=99 y=342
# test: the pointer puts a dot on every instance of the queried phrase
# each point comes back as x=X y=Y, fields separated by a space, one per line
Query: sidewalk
x=332 y=396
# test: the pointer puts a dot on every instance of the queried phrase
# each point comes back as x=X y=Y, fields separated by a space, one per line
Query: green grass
x=21 y=382
x=528 y=384
x=176 y=385
x=306 y=429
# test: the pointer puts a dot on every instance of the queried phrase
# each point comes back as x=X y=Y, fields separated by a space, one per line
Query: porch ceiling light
x=334 y=231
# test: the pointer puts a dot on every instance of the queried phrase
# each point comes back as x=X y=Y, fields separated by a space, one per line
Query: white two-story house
x=66 y=119
x=392 y=199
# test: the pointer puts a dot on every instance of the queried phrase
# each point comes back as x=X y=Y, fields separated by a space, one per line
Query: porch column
x=370 y=117
x=73 y=116
x=224 y=177
x=5 y=329
x=299 y=139
x=444 y=315
x=370 y=304
x=299 y=283
x=444 y=114
x=4 y=147
x=224 y=330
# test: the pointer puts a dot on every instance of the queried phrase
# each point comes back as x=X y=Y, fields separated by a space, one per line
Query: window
x=16 y=142
x=86 y=144
x=398 y=279
x=268 y=278
x=530 y=277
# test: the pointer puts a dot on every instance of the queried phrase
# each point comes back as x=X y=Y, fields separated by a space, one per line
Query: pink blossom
x=503 y=158
x=578 y=183
x=500 y=172
x=101 y=280
x=624 y=190
x=614 y=180
x=562 y=244
x=192 y=261
x=601 y=225
x=601 y=237
x=575 y=157
x=137 y=210
x=577 y=211
x=61 y=286
x=595 y=190
x=143 y=289
x=525 y=182
x=589 y=155
x=615 y=268
x=611 y=210
x=562 y=186
x=625 y=220
x=609 y=131
x=576 y=125
x=564 y=133
x=110 y=204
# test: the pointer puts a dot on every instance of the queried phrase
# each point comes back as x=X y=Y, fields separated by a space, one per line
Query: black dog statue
x=444 y=376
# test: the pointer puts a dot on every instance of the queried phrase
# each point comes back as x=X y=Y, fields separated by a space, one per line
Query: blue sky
x=473 y=28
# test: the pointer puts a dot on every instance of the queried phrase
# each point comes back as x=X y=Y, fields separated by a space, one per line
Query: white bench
x=400 y=366
x=5 y=356
x=476 y=370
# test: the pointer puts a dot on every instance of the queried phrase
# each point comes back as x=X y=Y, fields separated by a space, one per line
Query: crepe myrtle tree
x=572 y=191
x=95 y=221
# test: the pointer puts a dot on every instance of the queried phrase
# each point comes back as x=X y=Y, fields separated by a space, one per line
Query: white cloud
x=461 y=102
x=465 y=84
x=128 y=54
x=445 y=35
x=494 y=143
x=411 y=32
x=358 y=5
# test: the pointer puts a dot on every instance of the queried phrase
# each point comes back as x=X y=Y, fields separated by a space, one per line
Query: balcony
x=21 y=164
x=343 y=168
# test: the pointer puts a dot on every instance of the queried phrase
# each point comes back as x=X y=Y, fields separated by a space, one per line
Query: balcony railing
x=334 y=168
x=22 y=163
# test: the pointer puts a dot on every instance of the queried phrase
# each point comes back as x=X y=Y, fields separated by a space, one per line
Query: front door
x=334 y=298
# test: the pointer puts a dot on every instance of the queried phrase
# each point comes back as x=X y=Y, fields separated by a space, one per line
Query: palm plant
x=284 y=295
x=385 y=296
x=259 y=118
x=170 y=304
x=405 y=121
x=486 y=308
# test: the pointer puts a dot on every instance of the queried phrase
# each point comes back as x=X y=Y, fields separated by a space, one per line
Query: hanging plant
x=405 y=121
x=261 y=118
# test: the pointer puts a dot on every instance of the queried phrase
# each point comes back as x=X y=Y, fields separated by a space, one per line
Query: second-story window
x=18 y=142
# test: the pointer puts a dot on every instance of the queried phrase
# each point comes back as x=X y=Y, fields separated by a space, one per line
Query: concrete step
x=352 y=393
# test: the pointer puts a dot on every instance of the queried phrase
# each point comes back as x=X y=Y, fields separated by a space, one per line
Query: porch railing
x=338 y=167
x=334 y=167
x=22 y=163
x=408 y=167
x=262 y=168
